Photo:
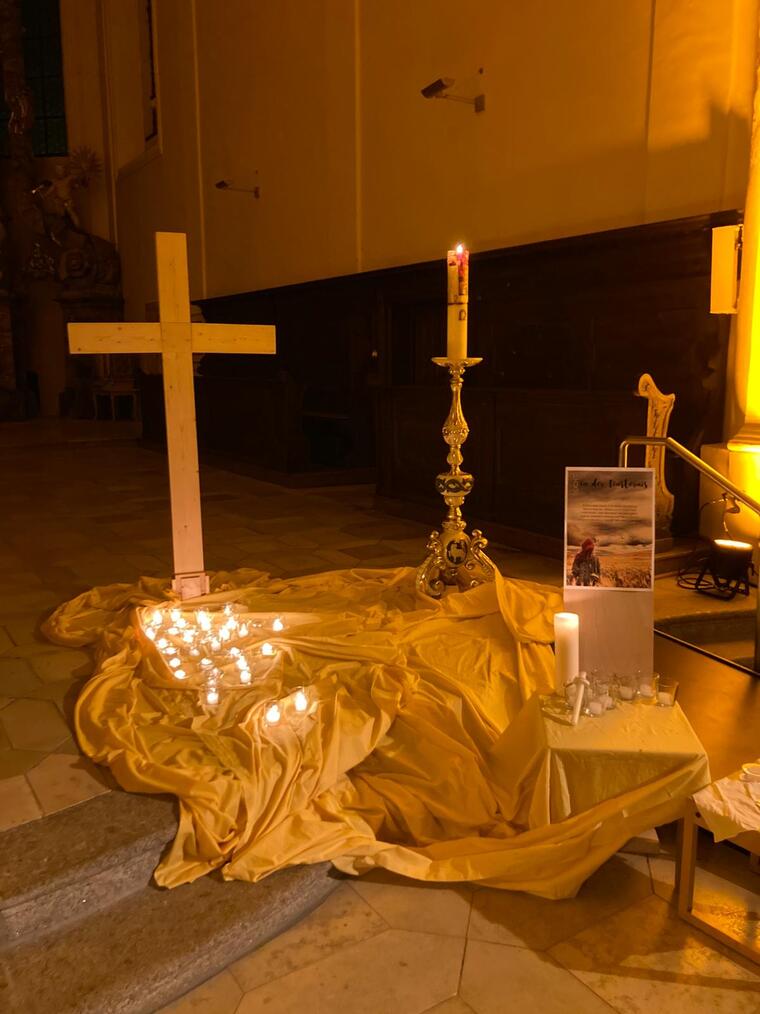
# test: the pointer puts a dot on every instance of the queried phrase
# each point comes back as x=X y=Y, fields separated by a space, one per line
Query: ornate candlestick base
x=454 y=557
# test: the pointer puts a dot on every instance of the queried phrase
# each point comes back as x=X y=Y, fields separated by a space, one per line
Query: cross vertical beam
x=190 y=578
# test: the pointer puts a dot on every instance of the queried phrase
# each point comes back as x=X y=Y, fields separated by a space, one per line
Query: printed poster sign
x=609 y=528
x=609 y=566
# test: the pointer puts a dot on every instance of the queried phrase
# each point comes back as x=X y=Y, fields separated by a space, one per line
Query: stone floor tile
x=33 y=725
x=726 y=890
x=17 y=802
x=522 y=920
x=645 y=959
x=497 y=979
x=396 y=971
x=17 y=678
x=220 y=995
x=343 y=919
x=425 y=908
x=455 y=1005
x=23 y=628
x=63 y=665
x=61 y=780
x=18 y=762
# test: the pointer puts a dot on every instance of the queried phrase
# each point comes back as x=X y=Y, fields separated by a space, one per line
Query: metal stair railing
x=711 y=473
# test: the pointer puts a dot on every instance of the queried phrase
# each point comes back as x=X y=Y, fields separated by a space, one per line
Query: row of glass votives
x=299 y=702
x=603 y=693
x=205 y=638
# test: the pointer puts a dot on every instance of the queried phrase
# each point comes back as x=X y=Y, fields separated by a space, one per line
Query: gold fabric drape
x=395 y=768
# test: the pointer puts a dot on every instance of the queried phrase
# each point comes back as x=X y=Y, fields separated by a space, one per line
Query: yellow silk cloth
x=553 y=769
x=394 y=768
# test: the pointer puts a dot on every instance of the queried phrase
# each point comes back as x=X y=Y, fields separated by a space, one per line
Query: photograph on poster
x=609 y=528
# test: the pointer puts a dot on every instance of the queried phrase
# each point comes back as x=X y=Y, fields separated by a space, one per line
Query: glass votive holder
x=667 y=691
x=648 y=688
x=594 y=707
x=626 y=688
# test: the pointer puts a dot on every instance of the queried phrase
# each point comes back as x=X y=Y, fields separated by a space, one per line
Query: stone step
x=82 y=858
x=83 y=929
x=154 y=945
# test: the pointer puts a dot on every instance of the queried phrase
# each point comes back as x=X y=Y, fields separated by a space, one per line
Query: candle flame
x=460 y=248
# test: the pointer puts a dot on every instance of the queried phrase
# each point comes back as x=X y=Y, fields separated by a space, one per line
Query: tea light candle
x=150 y=633
x=212 y=696
x=595 y=707
x=245 y=676
x=646 y=689
x=179 y=674
x=300 y=700
x=278 y=624
x=566 y=648
x=157 y=617
x=267 y=648
x=664 y=699
x=273 y=714
x=625 y=693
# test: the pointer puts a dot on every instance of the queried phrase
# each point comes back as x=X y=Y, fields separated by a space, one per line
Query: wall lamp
x=440 y=89
x=229 y=185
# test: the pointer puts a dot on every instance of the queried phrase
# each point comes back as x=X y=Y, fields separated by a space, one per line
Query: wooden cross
x=176 y=339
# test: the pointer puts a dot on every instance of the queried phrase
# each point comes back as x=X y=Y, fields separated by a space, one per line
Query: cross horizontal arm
x=114 y=338
x=232 y=338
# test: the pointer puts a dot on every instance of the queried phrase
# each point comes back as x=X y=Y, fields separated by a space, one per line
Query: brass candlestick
x=454 y=557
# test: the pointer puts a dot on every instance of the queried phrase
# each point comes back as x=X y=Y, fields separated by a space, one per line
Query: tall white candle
x=458 y=273
x=566 y=648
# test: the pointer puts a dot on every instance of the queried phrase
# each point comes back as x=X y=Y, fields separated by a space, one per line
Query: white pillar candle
x=566 y=648
x=458 y=271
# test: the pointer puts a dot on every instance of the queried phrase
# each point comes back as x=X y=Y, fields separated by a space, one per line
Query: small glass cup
x=667 y=691
x=648 y=688
x=626 y=688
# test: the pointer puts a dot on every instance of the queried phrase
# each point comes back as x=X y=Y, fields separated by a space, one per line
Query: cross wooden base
x=191 y=586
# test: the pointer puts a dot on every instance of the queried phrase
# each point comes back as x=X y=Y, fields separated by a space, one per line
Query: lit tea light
x=170 y=651
x=150 y=633
x=181 y=623
x=215 y=644
x=173 y=631
x=273 y=714
x=241 y=663
x=194 y=652
x=212 y=696
x=188 y=637
x=157 y=617
x=175 y=663
x=180 y=674
x=234 y=651
x=278 y=624
x=267 y=648
x=228 y=609
x=243 y=630
x=224 y=634
x=301 y=700
x=175 y=615
x=206 y=663
x=245 y=676
x=162 y=643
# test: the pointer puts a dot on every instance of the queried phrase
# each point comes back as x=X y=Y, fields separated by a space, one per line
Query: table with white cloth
x=645 y=755
x=730 y=810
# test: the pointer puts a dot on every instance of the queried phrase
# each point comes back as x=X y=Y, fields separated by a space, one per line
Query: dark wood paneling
x=565 y=328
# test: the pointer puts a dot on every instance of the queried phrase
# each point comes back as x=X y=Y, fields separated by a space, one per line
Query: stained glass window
x=43 y=65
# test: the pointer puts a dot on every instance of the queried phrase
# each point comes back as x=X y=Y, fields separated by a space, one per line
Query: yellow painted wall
x=600 y=113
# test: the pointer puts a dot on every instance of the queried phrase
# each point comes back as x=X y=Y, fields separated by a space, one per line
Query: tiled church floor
x=82 y=514
x=381 y=944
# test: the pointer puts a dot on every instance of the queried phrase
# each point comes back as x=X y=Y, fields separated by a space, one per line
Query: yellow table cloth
x=394 y=770
x=553 y=770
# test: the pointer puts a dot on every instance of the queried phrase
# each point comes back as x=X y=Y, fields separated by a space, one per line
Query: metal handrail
x=711 y=473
